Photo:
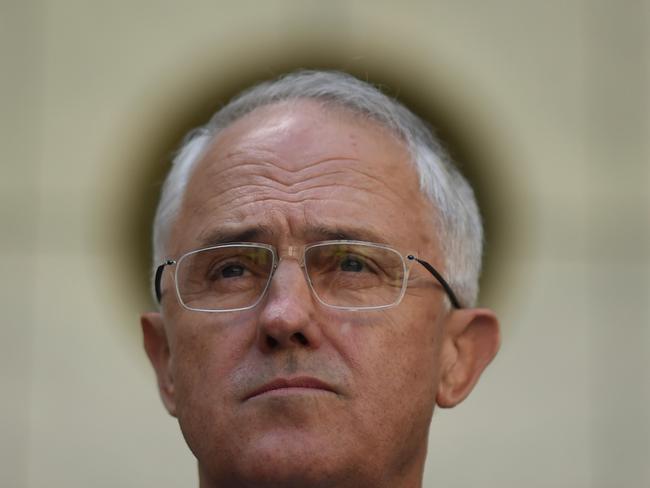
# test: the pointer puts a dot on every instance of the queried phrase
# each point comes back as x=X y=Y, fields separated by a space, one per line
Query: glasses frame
x=300 y=252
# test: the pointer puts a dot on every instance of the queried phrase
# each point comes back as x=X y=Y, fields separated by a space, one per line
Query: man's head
x=327 y=372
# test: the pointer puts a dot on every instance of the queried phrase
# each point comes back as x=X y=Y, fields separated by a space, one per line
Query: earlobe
x=156 y=344
x=470 y=342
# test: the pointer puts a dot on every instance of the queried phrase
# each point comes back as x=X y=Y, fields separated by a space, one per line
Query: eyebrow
x=246 y=234
x=312 y=233
x=336 y=232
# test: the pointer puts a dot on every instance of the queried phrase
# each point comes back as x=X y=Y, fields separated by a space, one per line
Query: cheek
x=395 y=357
x=204 y=355
x=205 y=351
x=409 y=364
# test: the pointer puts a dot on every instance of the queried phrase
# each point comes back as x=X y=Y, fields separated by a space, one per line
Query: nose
x=288 y=315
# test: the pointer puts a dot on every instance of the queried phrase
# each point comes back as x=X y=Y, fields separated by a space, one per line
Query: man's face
x=290 y=175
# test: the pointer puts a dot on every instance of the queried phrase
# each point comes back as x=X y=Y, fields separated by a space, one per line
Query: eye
x=232 y=271
x=352 y=264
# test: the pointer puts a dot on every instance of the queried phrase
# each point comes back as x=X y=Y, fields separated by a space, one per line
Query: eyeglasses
x=347 y=275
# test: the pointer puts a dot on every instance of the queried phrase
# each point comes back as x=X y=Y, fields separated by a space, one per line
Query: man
x=317 y=258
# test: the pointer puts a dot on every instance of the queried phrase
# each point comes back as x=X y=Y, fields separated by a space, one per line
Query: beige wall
x=553 y=94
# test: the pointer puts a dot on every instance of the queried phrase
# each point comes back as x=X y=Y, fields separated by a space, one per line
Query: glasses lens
x=355 y=275
x=224 y=278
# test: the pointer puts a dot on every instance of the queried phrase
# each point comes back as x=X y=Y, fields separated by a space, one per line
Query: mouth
x=291 y=386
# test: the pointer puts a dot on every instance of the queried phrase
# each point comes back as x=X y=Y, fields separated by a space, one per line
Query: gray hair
x=458 y=219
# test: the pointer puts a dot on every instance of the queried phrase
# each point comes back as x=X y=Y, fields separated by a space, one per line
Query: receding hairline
x=330 y=107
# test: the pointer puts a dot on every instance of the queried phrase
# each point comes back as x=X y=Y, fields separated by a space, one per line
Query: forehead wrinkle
x=260 y=184
x=259 y=193
x=245 y=156
x=242 y=174
x=235 y=200
x=280 y=175
x=287 y=177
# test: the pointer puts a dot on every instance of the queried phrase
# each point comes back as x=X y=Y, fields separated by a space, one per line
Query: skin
x=305 y=174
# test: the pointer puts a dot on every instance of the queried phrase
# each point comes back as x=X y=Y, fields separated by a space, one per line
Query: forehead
x=301 y=172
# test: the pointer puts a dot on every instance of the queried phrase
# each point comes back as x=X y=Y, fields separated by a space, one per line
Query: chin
x=281 y=459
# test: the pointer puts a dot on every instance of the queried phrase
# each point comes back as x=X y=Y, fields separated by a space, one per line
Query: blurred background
x=544 y=104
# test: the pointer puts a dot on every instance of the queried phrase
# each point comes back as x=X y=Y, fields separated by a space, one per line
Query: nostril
x=297 y=339
x=299 y=336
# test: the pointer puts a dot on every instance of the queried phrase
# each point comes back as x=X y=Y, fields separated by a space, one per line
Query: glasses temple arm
x=158 y=277
x=452 y=296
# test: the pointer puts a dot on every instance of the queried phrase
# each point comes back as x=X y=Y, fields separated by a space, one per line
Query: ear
x=471 y=340
x=156 y=344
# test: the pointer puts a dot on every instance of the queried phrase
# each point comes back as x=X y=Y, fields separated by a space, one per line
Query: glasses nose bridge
x=292 y=252
x=296 y=253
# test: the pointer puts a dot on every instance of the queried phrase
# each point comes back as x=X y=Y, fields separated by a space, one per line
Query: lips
x=303 y=382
